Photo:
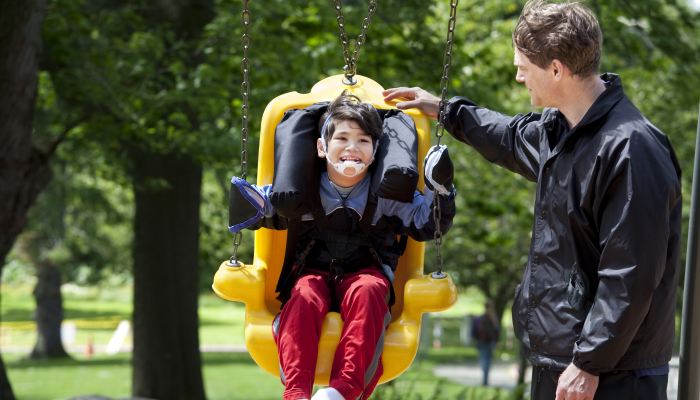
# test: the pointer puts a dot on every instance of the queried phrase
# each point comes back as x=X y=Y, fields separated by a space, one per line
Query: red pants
x=357 y=363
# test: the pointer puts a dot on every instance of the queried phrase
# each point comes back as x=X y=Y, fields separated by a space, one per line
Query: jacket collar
x=600 y=107
x=331 y=199
x=605 y=101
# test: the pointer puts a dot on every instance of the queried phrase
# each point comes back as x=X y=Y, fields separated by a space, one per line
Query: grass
x=97 y=314
x=226 y=375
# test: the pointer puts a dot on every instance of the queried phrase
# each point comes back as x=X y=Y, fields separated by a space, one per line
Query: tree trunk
x=49 y=314
x=23 y=172
x=166 y=359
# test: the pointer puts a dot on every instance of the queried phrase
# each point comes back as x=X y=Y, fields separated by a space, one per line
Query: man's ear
x=319 y=148
x=558 y=70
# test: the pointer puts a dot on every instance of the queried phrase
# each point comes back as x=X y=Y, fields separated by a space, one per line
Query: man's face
x=539 y=81
x=348 y=144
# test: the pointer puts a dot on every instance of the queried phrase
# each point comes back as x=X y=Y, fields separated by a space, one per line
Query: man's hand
x=417 y=98
x=576 y=384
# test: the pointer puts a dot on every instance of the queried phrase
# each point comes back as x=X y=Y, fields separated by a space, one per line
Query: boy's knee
x=308 y=296
x=376 y=288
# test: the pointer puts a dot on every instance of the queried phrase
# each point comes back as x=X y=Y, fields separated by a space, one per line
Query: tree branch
x=49 y=153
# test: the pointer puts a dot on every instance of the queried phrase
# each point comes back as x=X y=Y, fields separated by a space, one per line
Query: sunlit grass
x=226 y=375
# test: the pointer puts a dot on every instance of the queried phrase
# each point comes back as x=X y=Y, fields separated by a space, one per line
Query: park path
x=504 y=375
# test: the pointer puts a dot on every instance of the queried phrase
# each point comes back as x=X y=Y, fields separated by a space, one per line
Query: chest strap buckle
x=336 y=272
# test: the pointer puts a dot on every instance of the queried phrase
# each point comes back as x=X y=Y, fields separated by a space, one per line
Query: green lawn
x=97 y=314
x=226 y=376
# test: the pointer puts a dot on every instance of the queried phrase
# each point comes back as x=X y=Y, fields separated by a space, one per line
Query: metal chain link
x=237 y=237
x=440 y=130
x=350 y=68
x=245 y=91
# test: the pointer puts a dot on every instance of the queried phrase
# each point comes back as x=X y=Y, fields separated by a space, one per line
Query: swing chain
x=440 y=131
x=350 y=68
x=447 y=61
x=237 y=237
x=245 y=91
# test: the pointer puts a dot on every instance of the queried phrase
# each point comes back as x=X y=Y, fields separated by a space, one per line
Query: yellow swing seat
x=254 y=284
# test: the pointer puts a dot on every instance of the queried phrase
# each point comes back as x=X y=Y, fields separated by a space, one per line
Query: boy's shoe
x=327 y=394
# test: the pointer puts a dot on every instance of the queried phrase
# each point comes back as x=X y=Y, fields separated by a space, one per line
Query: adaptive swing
x=255 y=284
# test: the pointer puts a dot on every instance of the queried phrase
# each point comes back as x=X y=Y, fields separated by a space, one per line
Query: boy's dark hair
x=350 y=107
x=568 y=32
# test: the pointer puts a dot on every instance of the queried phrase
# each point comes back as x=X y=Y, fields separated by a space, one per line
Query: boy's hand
x=438 y=169
x=416 y=98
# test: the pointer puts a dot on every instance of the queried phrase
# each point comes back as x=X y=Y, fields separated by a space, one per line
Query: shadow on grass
x=208 y=359
x=25 y=363
x=227 y=358
x=213 y=322
x=22 y=315
x=16 y=314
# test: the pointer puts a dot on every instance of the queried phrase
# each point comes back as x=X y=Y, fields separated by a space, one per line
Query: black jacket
x=600 y=284
x=392 y=218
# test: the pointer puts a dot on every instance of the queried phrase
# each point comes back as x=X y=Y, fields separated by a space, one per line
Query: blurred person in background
x=485 y=330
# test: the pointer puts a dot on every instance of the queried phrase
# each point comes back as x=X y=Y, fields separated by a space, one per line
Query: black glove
x=245 y=205
x=438 y=170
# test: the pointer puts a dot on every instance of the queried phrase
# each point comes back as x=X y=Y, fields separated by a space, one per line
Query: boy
x=358 y=283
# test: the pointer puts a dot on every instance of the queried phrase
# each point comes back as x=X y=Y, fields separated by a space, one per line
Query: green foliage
x=128 y=79
x=80 y=224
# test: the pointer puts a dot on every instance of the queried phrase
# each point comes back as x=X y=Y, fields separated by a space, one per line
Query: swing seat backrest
x=255 y=284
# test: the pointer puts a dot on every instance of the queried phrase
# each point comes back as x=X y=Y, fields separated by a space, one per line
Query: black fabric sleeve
x=426 y=232
x=510 y=142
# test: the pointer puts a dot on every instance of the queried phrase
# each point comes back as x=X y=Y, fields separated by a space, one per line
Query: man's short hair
x=568 y=32
x=350 y=107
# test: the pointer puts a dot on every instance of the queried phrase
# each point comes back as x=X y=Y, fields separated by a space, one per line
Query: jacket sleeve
x=416 y=219
x=637 y=210
x=510 y=142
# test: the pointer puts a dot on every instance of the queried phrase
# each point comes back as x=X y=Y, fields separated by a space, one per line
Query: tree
x=160 y=86
x=23 y=169
x=78 y=231
x=147 y=123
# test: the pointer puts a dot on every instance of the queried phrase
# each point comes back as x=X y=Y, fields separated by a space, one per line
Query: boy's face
x=348 y=144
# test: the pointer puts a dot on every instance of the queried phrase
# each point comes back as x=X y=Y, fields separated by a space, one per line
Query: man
x=596 y=307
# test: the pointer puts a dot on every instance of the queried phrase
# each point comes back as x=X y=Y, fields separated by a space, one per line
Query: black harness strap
x=339 y=243
x=368 y=215
x=293 y=232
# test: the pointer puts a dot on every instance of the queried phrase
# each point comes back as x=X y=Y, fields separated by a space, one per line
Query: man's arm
x=637 y=211
x=510 y=142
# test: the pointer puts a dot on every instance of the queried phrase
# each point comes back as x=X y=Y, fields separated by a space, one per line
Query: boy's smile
x=349 y=145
